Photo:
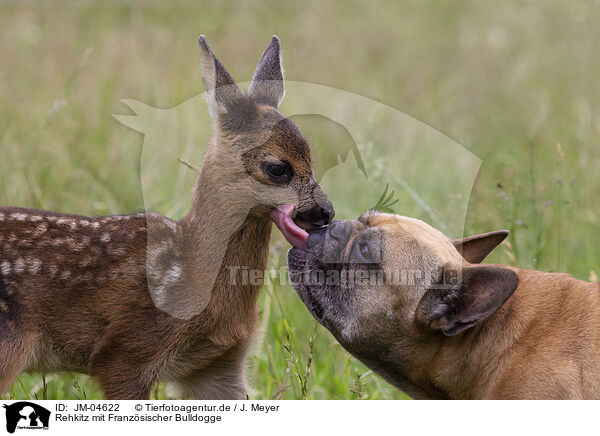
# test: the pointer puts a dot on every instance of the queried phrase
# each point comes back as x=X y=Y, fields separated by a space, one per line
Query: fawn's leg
x=120 y=382
x=118 y=388
x=16 y=352
x=213 y=385
x=223 y=379
x=121 y=376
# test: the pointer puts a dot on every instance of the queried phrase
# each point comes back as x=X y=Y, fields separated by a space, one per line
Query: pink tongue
x=282 y=217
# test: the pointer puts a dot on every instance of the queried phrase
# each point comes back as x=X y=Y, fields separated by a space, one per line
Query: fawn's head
x=256 y=152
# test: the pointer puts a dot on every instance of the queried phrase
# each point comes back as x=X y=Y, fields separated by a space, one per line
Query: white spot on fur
x=157 y=251
x=105 y=238
x=19 y=216
x=116 y=251
x=79 y=245
x=173 y=273
x=19 y=265
x=95 y=225
x=163 y=282
x=44 y=242
x=156 y=218
x=1 y=217
x=62 y=221
x=86 y=261
x=53 y=271
x=171 y=224
x=41 y=229
x=65 y=275
x=34 y=265
x=36 y=218
x=84 y=223
x=5 y=268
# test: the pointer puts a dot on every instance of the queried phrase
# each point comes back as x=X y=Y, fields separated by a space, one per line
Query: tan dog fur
x=543 y=342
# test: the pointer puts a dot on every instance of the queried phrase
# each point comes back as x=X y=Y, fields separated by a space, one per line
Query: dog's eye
x=364 y=250
x=278 y=172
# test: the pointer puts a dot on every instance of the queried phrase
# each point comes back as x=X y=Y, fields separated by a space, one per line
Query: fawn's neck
x=224 y=239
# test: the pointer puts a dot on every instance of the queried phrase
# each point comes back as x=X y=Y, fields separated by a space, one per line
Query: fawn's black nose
x=315 y=218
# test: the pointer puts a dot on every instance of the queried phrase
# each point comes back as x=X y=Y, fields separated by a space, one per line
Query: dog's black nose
x=315 y=218
x=340 y=230
x=316 y=240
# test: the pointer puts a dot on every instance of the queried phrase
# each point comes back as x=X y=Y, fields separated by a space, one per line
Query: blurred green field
x=516 y=83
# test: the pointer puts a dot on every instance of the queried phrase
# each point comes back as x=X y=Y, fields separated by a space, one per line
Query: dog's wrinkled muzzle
x=328 y=243
x=316 y=240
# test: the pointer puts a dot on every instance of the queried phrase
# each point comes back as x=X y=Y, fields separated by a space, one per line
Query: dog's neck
x=487 y=360
x=465 y=366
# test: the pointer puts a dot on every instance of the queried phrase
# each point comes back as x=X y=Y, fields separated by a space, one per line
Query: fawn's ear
x=482 y=291
x=476 y=248
x=221 y=90
x=267 y=83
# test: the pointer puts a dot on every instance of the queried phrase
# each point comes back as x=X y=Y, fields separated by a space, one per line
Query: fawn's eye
x=278 y=172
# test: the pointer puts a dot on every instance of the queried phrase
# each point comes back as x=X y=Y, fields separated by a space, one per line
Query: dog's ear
x=222 y=92
x=476 y=248
x=267 y=83
x=480 y=293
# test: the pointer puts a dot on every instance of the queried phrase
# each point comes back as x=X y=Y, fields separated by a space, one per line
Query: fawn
x=137 y=299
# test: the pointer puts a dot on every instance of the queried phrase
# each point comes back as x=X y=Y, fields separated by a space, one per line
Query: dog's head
x=384 y=284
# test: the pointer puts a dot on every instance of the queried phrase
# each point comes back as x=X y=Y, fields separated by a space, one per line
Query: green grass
x=516 y=83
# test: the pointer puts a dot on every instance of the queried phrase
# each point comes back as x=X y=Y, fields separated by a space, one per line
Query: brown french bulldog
x=417 y=308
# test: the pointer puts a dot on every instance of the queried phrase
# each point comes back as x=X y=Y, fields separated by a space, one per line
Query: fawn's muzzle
x=316 y=217
x=294 y=229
